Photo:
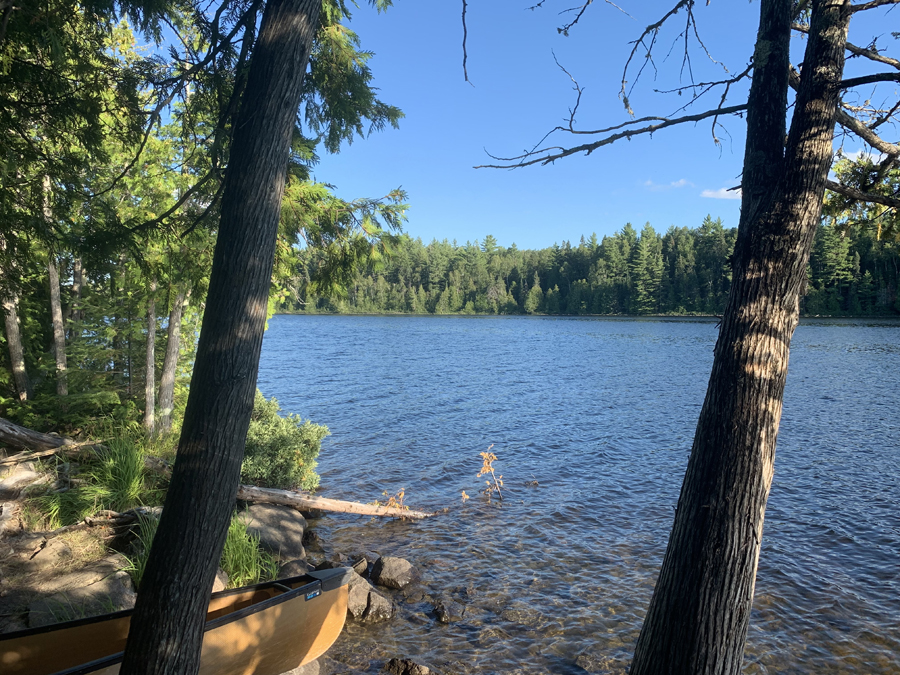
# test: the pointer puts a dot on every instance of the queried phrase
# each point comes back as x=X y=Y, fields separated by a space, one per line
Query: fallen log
x=41 y=445
x=26 y=439
x=298 y=500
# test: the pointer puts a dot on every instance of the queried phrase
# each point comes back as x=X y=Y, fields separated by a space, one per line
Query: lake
x=601 y=413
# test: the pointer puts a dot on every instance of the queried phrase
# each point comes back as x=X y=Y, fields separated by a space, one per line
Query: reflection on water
x=601 y=412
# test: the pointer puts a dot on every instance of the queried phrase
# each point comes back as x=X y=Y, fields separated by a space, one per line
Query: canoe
x=265 y=629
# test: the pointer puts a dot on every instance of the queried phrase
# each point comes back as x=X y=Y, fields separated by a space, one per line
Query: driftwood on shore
x=298 y=500
x=46 y=445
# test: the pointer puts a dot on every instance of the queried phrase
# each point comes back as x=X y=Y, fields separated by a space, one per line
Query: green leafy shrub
x=281 y=451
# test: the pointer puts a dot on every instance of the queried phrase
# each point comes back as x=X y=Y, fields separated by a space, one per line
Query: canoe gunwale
x=49 y=628
x=334 y=579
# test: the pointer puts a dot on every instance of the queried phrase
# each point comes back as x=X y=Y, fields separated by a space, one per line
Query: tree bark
x=14 y=343
x=167 y=626
x=59 y=330
x=150 y=365
x=699 y=614
x=170 y=363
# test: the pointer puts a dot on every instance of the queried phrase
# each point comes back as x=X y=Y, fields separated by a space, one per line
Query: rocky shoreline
x=48 y=577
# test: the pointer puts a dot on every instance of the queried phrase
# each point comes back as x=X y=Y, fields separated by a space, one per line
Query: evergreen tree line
x=684 y=271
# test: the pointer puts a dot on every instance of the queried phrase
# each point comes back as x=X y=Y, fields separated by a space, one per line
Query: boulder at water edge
x=279 y=528
x=393 y=572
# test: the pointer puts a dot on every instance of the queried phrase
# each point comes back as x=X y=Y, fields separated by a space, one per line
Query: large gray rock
x=220 y=583
x=9 y=519
x=279 y=528
x=16 y=479
x=366 y=604
x=393 y=572
x=311 y=668
x=109 y=594
x=379 y=609
x=293 y=568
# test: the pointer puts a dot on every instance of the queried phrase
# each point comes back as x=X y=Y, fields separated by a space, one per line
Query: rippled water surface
x=601 y=413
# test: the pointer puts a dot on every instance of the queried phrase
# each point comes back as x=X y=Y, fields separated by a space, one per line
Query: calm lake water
x=601 y=412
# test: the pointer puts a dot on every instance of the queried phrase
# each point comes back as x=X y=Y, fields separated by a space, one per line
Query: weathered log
x=26 y=439
x=298 y=500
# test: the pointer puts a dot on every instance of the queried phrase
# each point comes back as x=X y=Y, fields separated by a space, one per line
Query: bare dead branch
x=872 y=5
x=573 y=110
x=869 y=79
x=866 y=52
x=465 y=40
x=861 y=196
x=650 y=31
x=852 y=124
x=548 y=155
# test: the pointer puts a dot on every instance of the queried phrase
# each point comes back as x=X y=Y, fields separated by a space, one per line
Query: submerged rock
x=447 y=610
x=407 y=667
x=393 y=572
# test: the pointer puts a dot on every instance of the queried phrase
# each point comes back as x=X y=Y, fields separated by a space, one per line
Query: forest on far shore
x=852 y=272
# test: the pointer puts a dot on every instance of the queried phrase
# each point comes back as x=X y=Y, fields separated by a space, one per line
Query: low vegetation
x=281 y=452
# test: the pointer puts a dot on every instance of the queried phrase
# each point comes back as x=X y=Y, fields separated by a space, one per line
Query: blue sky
x=518 y=94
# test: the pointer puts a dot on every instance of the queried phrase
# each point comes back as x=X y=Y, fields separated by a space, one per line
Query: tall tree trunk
x=150 y=364
x=698 y=617
x=117 y=290
x=170 y=362
x=14 y=342
x=74 y=311
x=59 y=331
x=167 y=626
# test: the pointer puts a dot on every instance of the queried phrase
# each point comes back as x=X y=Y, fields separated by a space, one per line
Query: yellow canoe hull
x=265 y=629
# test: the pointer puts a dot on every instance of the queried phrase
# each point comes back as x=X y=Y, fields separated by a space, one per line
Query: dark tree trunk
x=59 y=330
x=170 y=363
x=14 y=343
x=698 y=617
x=150 y=364
x=167 y=626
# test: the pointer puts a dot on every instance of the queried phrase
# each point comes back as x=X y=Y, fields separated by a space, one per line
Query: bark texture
x=59 y=330
x=150 y=365
x=170 y=363
x=167 y=625
x=16 y=350
x=699 y=614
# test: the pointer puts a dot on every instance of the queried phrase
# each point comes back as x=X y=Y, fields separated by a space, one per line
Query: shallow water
x=601 y=412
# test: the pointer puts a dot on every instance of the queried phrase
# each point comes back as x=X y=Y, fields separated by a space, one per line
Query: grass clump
x=242 y=559
x=281 y=451
x=114 y=480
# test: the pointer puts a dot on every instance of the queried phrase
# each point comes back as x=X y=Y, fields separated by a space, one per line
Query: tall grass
x=144 y=540
x=242 y=559
x=114 y=480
